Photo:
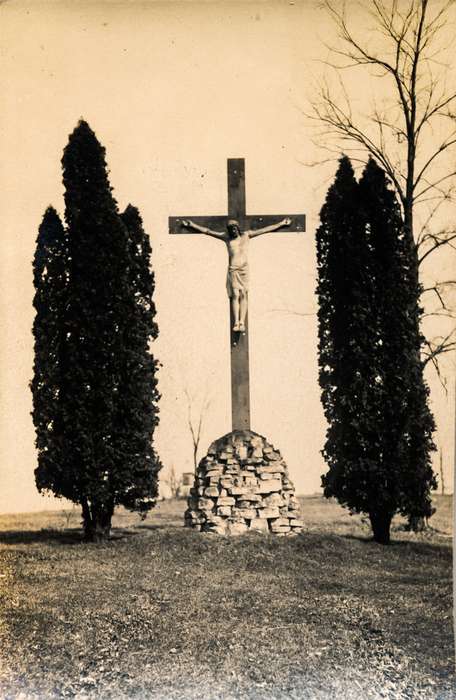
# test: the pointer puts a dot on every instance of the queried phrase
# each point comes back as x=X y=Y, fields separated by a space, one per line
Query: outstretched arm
x=268 y=229
x=187 y=223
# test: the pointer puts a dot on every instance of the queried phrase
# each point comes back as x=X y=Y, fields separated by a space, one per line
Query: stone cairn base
x=242 y=484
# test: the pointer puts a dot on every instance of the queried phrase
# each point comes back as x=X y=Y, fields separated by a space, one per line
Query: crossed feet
x=240 y=327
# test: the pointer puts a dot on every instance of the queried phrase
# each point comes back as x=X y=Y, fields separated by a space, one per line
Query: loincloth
x=237 y=278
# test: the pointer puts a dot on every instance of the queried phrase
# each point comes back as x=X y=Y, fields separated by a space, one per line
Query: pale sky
x=172 y=90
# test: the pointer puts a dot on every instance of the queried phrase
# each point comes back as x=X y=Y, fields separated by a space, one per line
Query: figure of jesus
x=237 y=243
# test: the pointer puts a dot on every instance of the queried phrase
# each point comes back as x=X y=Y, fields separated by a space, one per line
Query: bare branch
x=409 y=136
x=195 y=429
x=437 y=244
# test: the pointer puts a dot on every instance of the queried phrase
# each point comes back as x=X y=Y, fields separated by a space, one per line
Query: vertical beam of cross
x=240 y=371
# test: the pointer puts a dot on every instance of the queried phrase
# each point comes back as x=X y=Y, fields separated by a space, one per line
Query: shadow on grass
x=69 y=536
x=63 y=537
x=417 y=546
x=161 y=526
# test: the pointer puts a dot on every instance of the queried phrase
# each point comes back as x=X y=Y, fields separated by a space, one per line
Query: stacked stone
x=242 y=484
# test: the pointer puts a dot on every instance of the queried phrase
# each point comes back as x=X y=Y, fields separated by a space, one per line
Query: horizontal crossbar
x=218 y=223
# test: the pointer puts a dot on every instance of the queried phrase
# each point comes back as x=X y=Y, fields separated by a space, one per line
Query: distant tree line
x=379 y=439
x=95 y=396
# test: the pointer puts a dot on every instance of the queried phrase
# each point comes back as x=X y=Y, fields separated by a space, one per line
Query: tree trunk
x=416 y=523
x=381 y=524
x=97 y=520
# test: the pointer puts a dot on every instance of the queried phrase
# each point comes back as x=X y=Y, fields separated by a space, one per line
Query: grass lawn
x=164 y=612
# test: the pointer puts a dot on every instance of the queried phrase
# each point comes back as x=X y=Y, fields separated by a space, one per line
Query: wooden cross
x=240 y=390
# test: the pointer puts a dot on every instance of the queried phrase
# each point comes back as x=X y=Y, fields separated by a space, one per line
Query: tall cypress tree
x=137 y=413
x=404 y=476
x=370 y=372
x=50 y=277
x=348 y=393
x=107 y=386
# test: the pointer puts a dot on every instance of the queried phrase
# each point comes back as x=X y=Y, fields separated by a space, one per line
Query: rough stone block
x=244 y=474
x=264 y=477
x=249 y=498
x=213 y=519
x=247 y=513
x=281 y=530
x=236 y=528
x=238 y=490
x=195 y=517
x=211 y=491
x=224 y=511
x=270 y=513
x=259 y=525
x=205 y=504
x=296 y=524
x=274 y=499
x=226 y=501
x=272 y=469
x=241 y=452
x=226 y=482
x=214 y=472
x=269 y=486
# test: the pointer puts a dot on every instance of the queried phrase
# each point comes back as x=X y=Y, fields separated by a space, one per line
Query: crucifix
x=235 y=230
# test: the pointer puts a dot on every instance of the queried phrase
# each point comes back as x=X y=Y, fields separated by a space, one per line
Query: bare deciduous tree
x=173 y=482
x=195 y=424
x=412 y=131
x=442 y=476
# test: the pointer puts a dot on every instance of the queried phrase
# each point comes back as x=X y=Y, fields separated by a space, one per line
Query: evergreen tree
x=375 y=400
x=50 y=280
x=404 y=477
x=347 y=371
x=137 y=410
x=106 y=368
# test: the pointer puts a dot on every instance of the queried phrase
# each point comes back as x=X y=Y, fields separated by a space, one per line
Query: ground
x=163 y=612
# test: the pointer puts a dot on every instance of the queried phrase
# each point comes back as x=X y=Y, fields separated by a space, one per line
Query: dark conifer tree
x=106 y=368
x=347 y=370
x=137 y=408
x=404 y=477
x=373 y=392
x=50 y=269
